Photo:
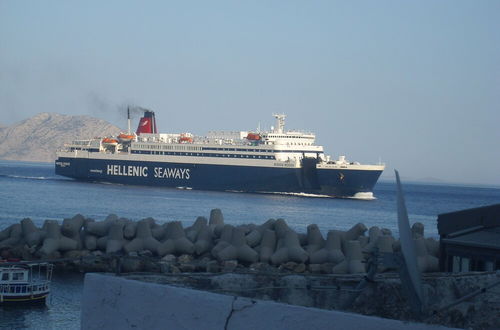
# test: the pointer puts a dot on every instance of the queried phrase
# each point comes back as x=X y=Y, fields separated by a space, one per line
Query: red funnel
x=147 y=124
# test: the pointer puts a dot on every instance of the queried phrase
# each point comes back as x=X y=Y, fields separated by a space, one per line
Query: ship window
x=17 y=276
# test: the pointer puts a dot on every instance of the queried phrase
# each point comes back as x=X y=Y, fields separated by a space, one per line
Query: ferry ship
x=274 y=161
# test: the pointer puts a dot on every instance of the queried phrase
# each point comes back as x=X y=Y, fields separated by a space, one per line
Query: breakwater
x=209 y=245
x=260 y=261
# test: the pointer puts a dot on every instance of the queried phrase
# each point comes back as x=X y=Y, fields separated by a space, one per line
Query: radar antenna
x=280 y=122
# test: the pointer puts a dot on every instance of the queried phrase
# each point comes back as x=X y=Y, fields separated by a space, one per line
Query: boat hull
x=331 y=182
x=23 y=299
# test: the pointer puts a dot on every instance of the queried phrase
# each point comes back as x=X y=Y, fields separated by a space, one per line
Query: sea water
x=32 y=190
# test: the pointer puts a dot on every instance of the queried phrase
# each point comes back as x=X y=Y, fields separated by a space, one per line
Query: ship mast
x=128 y=119
x=280 y=122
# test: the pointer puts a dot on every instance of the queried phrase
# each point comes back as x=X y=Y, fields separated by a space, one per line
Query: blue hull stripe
x=334 y=182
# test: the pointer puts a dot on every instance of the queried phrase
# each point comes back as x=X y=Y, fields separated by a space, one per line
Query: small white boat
x=25 y=283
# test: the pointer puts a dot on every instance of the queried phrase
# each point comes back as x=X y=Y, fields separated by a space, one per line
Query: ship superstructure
x=276 y=161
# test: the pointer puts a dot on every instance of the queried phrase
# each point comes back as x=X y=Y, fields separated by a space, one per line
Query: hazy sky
x=413 y=83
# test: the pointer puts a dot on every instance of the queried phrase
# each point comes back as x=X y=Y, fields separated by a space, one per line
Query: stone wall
x=384 y=297
x=117 y=303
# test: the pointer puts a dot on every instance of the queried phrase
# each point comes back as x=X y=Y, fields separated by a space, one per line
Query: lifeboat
x=109 y=142
x=126 y=137
x=253 y=137
x=186 y=138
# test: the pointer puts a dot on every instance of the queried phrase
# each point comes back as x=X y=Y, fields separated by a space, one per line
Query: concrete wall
x=116 y=303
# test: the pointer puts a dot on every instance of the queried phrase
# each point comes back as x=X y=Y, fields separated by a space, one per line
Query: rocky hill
x=37 y=138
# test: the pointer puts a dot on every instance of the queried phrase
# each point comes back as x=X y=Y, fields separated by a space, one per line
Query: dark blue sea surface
x=33 y=190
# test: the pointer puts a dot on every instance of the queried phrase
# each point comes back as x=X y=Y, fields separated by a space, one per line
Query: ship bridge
x=279 y=136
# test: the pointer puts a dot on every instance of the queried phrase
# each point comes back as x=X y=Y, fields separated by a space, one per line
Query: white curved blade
x=406 y=239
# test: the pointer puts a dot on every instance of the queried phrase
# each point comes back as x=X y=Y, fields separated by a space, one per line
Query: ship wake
x=367 y=196
x=300 y=194
x=29 y=177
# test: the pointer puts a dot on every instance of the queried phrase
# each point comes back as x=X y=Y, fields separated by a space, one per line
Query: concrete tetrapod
x=425 y=262
x=255 y=236
x=90 y=242
x=72 y=228
x=216 y=217
x=281 y=228
x=32 y=235
x=130 y=230
x=100 y=228
x=272 y=242
x=226 y=235
x=216 y=221
x=386 y=231
x=238 y=249
x=15 y=236
x=373 y=234
x=290 y=250
x=430 y=243
x=432 y=246
x=54 y=240
x=269 y=224
x=193 y=231
x=384 y=245
x=267 y=245
x=4 y=234
x=331 y=252
x=352 y=234
x=203 y=242
x=115 y=241
x=102 y=242
x=158 y=232
x=315 y=240
x=353 y=260
x=176 y=241
x=417 y=230
x=144 y=239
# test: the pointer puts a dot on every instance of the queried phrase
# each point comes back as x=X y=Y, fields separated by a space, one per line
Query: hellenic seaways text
x=143 y=171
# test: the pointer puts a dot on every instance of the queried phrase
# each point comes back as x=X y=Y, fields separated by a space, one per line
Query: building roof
x=483 y=238
x=450 y=224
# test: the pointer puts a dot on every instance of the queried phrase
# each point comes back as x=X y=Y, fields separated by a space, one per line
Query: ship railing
x=24 y=288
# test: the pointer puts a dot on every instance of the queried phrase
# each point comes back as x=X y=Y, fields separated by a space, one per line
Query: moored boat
x=24 y=283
